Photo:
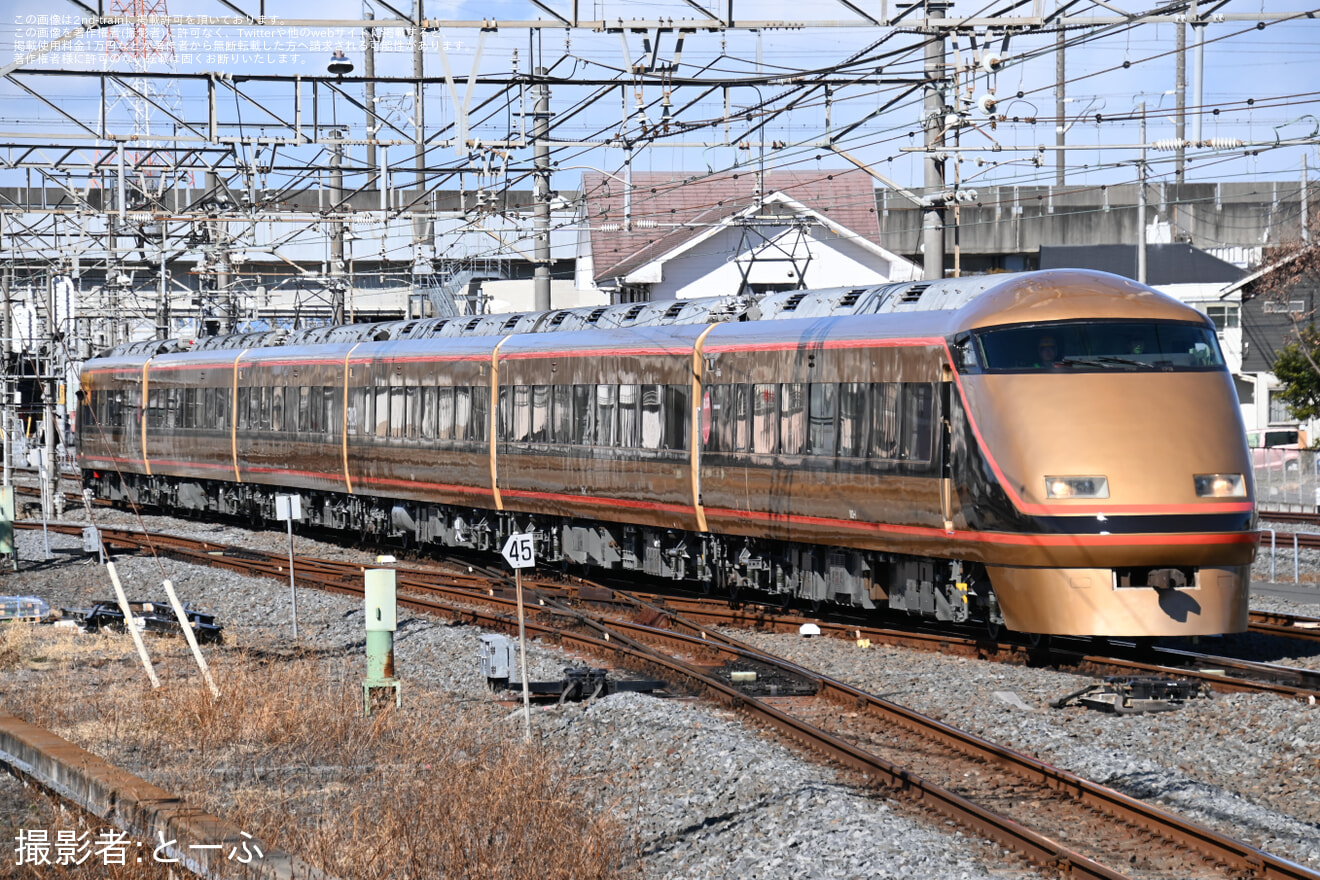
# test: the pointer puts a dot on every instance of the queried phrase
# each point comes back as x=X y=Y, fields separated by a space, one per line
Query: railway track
x=1055 y=819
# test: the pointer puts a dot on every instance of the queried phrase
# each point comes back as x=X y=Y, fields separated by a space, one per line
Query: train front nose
x=1135 y=497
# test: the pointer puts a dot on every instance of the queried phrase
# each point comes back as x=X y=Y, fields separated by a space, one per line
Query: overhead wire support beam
x=250 y=18
x=539 y=5
x=862 y=12
x=710 y=16
x=558 y=22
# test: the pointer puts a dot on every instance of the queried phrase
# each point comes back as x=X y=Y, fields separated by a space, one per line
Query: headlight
x=1220 y=486
x=1076 y=487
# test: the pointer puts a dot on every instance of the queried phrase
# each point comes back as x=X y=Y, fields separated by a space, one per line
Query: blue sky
x=1270 y=68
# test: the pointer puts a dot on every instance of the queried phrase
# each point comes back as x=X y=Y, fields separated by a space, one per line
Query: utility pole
x=932 y=216
x=369 y=98
x=337 y=229
x=1198 y=68
x=219 y=253
x=50 y=477
x=1306 y=207
x=419 y=105
x=1141 y=202
x=541 y=195
x=1180 y=92
x=1060 y=89
x=163 y=307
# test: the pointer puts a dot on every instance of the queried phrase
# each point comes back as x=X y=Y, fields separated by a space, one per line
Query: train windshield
x=1098 y=346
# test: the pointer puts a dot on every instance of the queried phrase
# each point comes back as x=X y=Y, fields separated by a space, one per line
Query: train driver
x=1047 y=352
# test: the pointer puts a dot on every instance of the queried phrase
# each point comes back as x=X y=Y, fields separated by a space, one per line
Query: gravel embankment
x=709 y=797
x=712 y=798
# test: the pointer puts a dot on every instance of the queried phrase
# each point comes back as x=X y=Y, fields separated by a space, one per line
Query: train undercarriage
x=729 y=565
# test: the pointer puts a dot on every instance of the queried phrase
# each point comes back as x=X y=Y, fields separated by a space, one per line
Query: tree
x=1298 y=374
x=1291 y=264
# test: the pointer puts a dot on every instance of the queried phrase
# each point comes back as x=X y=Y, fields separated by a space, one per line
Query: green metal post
x=379 y=601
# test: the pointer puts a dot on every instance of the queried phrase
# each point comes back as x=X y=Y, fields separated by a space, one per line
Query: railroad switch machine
x=579 y=682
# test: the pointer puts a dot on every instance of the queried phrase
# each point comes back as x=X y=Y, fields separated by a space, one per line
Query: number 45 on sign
x=519 y=551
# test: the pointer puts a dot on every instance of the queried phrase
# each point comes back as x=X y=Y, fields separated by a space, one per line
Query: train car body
x=905 y=446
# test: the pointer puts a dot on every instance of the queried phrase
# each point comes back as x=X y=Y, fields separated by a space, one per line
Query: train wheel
x=1037 y=640
x=993 y=630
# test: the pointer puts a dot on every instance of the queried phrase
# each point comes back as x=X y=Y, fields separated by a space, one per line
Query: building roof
x=1165 y=263
x=667 y=209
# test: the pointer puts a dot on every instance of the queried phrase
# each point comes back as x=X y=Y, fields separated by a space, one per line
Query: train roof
x=981 y=300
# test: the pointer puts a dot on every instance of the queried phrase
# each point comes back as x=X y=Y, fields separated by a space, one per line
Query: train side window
x=444 y=413
x=918 y=421
x=653 y=417
x=224 y=399
x=398 y=412
x=303 y=418
x=886 y=417
x=382 y=420
x=561 y=413
x=821 y=428
x=320 y=400
x=277 y=410
x=793 y=418
x=265 y=395
x=171 y=399
x=677 y=415
x=331 y=415
x=765 y=419
x=522 y=412
x=629 y=428
x=479 y=429
x=719 y=438
x=504 y=414
x=413 y=396
x=853 y=423
x=429 y=397
x=355 y=397
x=540 y=414
x=607 y=424
x=964 y=354
x=462 y=413
x=742 y=418
x=368 y=412
x=729 y=415
x=584 y=414
x=208 y=407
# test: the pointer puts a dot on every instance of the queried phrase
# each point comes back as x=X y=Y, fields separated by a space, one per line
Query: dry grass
x=28 y=645
x=286 y=755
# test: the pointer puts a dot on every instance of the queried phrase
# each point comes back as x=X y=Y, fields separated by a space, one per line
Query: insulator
x=1168 y=145
x=610 y=227
x=1222 y=143
x=644 y=224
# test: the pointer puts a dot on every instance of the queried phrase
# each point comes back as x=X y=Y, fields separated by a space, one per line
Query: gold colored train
x=1055 y=452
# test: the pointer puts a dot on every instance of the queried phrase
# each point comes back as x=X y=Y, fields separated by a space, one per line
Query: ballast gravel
x=712 y=798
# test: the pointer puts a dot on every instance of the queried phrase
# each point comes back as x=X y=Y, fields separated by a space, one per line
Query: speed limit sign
x=519 y=551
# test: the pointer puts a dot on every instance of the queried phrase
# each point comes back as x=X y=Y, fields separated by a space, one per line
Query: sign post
x=520 y=552
x=289 y=508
